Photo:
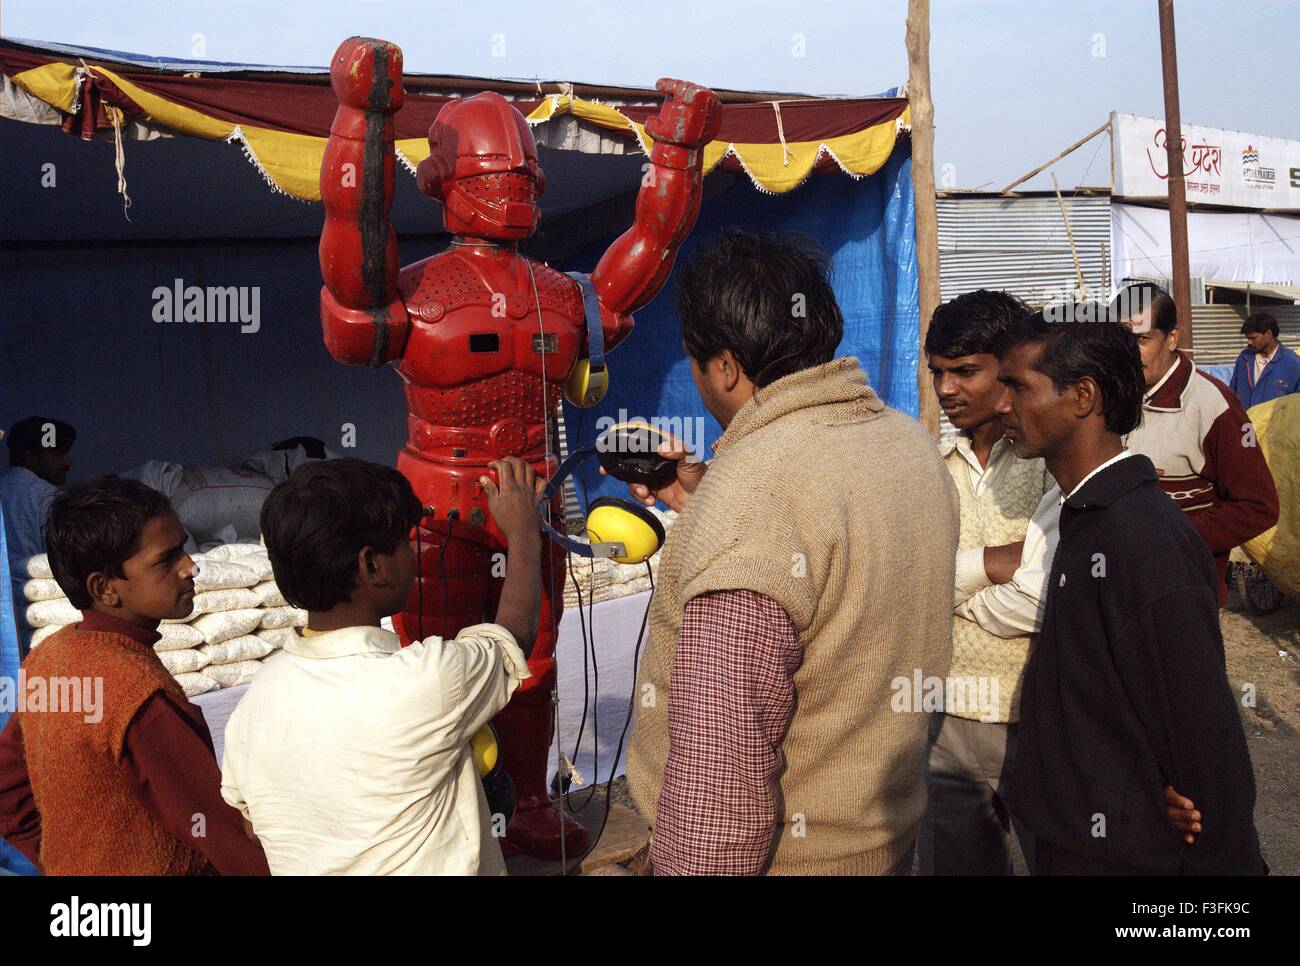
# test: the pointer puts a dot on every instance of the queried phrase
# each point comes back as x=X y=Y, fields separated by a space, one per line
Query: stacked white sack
x=239 y=617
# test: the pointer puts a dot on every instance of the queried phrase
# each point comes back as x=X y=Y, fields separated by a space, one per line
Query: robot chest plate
x=475 y=319
x=474 y=341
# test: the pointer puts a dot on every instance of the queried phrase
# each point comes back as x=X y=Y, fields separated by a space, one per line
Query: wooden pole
x=1073 y=147
x=1111 y=138
x=927 y=217
x=1081 y=292
x=1177 y=188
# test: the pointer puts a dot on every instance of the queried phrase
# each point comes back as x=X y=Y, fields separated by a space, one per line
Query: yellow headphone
x=589 y=379
x=485 y=751
x=587 y=384
x=621 y=530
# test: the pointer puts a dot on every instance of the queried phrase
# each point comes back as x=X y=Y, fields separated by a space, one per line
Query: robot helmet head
x=482 y=166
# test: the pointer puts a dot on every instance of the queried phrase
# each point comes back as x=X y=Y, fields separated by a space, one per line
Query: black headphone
x=616 y=528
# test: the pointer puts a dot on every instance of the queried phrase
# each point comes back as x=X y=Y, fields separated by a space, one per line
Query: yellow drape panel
x=55 y=84
x=290 y=161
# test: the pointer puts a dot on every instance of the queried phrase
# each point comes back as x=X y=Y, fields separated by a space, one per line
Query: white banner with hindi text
x=1219 y=167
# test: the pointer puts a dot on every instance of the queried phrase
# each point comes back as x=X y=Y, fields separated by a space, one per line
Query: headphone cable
x=419 y=578
x=587 y=689
x=588 y=645
x=442 y=576
x=631 y=704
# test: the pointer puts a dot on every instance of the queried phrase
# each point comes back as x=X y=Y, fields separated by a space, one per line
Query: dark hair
x=96 y=526
x=1132 y=300
x=318 y=520
x=767 y=298
x=1095 y=347
x=1259 y=322
x=972 y=323
x=30 y=433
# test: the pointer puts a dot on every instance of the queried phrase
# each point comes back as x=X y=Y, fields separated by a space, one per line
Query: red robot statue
x=485 y=341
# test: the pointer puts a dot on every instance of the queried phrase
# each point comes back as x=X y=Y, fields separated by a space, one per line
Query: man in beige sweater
x=810 y=568
x=1008 y=532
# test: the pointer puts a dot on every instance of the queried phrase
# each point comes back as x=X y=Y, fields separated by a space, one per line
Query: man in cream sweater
x=810 y=568
x=1008 y=532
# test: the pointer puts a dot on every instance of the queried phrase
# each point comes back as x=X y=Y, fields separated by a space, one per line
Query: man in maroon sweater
x=116 y=549
x=1196 y=433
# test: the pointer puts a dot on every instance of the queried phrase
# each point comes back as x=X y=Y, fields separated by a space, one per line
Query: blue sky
x=1014 y=81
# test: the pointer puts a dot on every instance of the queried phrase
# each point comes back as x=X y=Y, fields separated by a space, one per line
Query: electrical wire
x=547 y=416
x=587 y=625
x=587 y=688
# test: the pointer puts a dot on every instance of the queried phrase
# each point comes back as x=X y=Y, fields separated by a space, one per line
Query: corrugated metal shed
x=1020 y=245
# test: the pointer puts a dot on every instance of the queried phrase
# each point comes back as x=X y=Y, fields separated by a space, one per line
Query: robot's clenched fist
x=367 y=74
x=689 y=117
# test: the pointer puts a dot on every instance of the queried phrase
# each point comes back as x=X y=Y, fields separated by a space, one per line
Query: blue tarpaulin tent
x=866 y=226
x=80 y=342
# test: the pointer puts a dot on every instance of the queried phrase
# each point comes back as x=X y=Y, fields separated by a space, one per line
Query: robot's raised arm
x=637 y=264
x=364 y=320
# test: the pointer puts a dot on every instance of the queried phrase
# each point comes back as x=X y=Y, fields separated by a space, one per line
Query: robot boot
x=538 y=828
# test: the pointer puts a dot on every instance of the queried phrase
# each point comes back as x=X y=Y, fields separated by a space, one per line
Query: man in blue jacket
x=1126 y=693
x=1266 y=368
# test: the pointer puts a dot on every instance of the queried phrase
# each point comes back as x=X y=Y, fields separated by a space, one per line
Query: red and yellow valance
x=282 y=124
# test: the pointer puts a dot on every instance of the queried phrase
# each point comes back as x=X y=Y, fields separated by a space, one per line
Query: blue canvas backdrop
x=10 y=659
x=208 y=395
x=865 y=225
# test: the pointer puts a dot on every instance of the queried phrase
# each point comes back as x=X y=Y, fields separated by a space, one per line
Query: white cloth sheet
x=615 y=624
x=1226 y=246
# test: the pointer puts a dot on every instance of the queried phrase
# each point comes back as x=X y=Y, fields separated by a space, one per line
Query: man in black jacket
x=1126 y=692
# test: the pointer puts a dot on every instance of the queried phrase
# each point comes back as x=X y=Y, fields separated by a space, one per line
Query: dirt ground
x=1265 y=652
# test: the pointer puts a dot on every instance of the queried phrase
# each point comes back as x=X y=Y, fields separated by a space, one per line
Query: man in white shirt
x=966 y=829
x=1009 y=605
x=350 y=754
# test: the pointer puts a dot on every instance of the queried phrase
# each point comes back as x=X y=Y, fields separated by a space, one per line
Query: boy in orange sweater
x=124 y=780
